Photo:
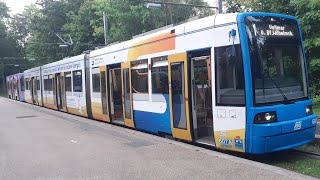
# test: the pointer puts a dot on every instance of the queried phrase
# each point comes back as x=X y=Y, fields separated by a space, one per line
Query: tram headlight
x=265 y=117
x=309 y=110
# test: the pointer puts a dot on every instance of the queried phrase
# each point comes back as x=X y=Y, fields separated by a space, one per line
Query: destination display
x=273 y=27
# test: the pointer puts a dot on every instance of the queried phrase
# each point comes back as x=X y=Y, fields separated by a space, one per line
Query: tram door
x=116 y=95
x=31 y=85
x=38 y=91
x=202 y=99
x=34 y=91
x=18 y=92
x=127 y=95
x=179 y=96
x=104 y=93
x=59 y=98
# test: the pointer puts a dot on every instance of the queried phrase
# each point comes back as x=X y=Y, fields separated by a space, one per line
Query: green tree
x=8 y=47
x=44 y=23
x=125 y=20
x=308 y=13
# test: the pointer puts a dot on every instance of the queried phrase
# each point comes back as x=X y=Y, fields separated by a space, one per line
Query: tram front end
x=278 y=106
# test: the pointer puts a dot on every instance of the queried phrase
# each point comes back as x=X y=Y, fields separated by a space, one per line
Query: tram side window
x=96 y=80
x=22 y=83
x=77 y=81
x=67 y=78
x=139 y=81
x=50 y=81
x=45 y=82
x=229 y=77
x=160 y=77
x=38 y=83
x=27 y=84
x=48 y=84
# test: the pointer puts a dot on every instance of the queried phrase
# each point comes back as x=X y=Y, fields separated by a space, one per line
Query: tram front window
x=277 y=61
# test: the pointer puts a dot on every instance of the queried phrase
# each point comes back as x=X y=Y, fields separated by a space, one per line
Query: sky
x=17 y=6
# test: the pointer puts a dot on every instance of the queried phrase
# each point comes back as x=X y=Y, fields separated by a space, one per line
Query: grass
x=293 y=162
x=304 y=165
x=316 y=108
x=314 y=146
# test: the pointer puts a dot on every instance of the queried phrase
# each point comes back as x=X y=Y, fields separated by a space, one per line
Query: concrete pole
x=219 y=5
x=3 y=77
x=105 y=27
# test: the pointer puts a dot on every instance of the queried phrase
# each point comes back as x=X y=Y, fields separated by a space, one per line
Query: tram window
x=27 y=84
x=95 y=80
x=77 y=81
x=45 y=82
x=230 y=77
x=67 y=79
x=139 y=74
x=49 y=84
x=160 y=77
x=38 y=83
x=22 y=83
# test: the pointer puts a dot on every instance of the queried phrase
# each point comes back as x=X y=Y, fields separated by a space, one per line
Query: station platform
x=38 y=143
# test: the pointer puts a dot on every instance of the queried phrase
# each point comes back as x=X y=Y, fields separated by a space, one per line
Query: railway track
x=307 y=153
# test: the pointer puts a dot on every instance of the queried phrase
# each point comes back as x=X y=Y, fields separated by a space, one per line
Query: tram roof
x=65 y=61
x=179 y=29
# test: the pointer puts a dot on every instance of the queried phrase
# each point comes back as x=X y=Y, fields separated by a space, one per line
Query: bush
x=314 y=78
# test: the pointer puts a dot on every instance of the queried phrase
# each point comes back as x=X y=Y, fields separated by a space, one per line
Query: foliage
x=36 y=30
x=34 y=33
x=125 y=20
x=8 y=46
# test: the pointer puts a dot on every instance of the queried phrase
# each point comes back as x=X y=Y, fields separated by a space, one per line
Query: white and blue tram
x=233 y=81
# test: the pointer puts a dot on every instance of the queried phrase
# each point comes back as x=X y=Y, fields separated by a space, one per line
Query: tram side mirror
x=232 y=50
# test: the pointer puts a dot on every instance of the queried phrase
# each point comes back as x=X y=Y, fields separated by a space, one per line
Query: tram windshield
x=277 y=61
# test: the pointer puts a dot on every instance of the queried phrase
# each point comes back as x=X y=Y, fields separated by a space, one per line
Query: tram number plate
x=297 y=125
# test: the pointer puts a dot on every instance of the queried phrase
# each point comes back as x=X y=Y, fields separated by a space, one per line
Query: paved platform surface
x=38 y=143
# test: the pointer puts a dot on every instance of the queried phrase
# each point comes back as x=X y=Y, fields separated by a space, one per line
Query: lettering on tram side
x=238 y=143
x=223 y=133
x=297 y=125
x=226 y=143
x=314 y=121
x=63 y=67
x=97 y=61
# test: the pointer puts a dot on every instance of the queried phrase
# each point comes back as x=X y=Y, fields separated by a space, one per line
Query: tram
x=15 y=87
x=234 y=81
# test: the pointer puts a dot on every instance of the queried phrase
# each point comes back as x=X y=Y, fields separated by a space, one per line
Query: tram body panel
x=106 y=84
x=64 y=86
x=33 y=93
x=21 y=85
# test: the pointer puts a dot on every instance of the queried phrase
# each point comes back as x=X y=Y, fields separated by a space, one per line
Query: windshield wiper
x=281 y=92
x=286 y=100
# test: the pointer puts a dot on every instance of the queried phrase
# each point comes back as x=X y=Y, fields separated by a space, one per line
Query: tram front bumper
x=283 y=135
